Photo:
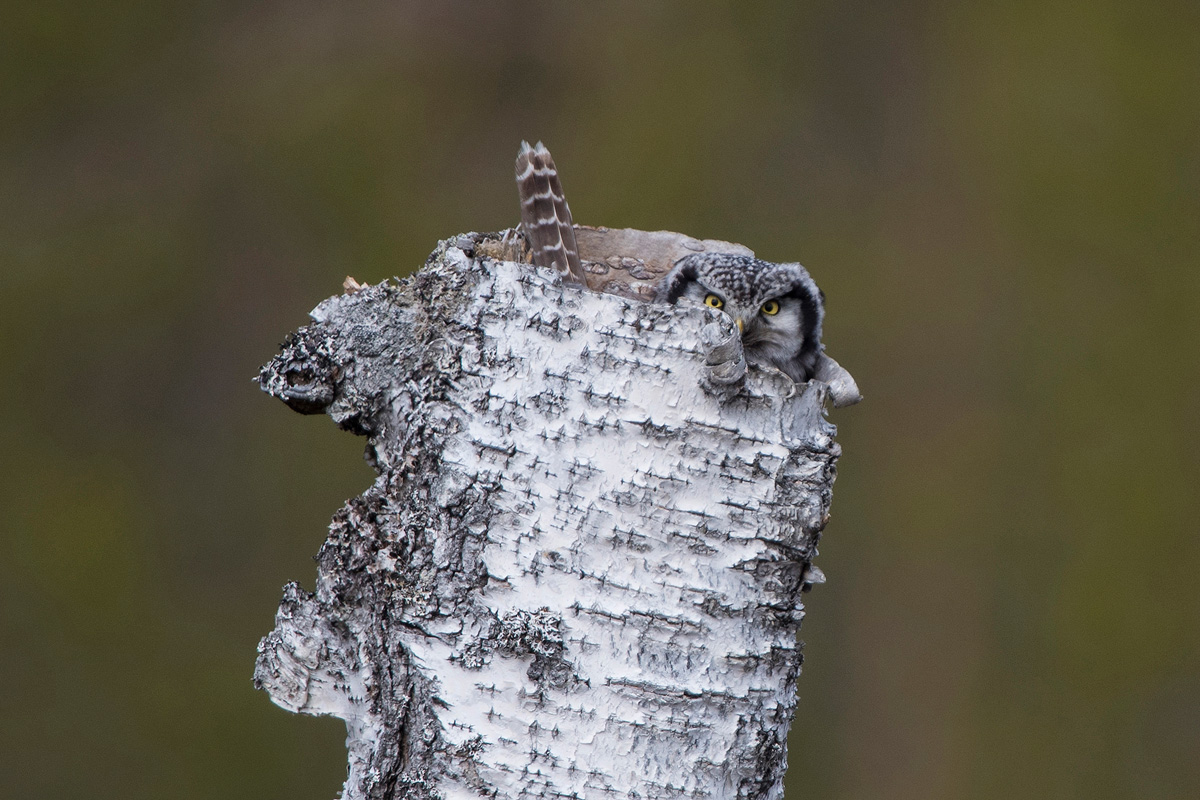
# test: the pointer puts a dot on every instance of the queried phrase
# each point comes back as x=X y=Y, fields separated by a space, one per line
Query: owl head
x=777 y=307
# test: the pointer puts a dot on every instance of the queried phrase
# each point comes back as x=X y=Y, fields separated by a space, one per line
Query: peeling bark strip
x=579 y=571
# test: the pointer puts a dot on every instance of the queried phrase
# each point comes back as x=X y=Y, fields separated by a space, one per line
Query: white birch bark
x=579 y=571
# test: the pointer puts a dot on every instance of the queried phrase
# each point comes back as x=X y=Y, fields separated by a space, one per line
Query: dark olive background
x=1000 y=199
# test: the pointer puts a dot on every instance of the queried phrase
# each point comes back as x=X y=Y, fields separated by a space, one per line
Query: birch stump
x=579 y=572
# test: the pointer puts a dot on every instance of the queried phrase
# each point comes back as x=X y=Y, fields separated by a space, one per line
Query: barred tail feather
x=545 y=215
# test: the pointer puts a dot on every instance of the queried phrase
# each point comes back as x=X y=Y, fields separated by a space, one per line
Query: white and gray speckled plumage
x=789 y=340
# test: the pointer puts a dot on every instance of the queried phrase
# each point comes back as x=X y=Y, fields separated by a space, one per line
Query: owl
x=777 y=307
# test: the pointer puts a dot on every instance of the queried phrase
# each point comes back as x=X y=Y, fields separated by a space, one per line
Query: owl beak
x=741 y=325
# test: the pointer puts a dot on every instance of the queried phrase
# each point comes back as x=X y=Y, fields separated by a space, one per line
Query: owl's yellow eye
x=712 y=301
x=770 y=308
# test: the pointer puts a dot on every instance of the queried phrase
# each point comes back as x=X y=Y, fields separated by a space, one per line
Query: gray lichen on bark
x=579 y=571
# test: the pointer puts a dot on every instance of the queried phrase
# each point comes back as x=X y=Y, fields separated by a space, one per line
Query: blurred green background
x=1000 y=199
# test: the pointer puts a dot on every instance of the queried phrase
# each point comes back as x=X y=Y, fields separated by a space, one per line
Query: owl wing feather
x=545 y=215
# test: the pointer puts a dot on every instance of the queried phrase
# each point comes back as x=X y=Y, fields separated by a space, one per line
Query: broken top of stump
x=620 y=261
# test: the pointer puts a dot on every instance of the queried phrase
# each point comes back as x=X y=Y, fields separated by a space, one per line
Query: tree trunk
x=578 y=573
